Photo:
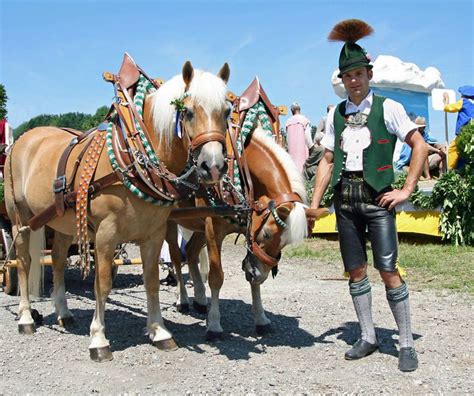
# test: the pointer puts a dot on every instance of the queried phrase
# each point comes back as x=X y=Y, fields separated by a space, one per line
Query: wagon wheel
x=10 y=276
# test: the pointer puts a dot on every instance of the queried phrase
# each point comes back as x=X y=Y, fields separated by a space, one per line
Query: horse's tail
x=36 y=247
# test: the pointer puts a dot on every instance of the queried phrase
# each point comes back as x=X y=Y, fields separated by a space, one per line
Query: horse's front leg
x=159 y=335
x=182 y=303
x=214 y=240
x=262 y=323
x=59 y=256
x=105 y=244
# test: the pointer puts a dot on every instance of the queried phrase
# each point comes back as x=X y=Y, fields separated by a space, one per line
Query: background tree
x=75 y=120
x=3 y=102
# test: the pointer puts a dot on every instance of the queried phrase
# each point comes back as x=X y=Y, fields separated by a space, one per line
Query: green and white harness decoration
x=144 y=87
x=256 y=113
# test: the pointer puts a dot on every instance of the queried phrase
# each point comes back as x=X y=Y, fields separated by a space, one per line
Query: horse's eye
x=188 y=115
x=266 y=235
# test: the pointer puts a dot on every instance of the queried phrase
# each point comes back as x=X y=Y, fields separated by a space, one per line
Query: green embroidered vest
x=377 y=157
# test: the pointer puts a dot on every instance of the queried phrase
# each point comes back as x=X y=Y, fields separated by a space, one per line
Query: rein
x=265 y=210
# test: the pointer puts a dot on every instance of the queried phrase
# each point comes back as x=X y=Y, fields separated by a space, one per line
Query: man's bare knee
x=358 y=273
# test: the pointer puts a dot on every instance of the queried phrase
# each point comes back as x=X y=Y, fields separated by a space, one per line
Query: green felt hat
x=352 y=56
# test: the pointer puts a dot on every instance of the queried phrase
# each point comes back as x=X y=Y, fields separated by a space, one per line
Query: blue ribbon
x=177 y=129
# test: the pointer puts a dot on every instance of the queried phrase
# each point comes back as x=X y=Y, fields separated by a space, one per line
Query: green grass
x=429 y=265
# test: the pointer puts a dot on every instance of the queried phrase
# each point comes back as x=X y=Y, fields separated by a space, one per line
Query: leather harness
x=133 y=162
x=263 y=206
x=159 y=182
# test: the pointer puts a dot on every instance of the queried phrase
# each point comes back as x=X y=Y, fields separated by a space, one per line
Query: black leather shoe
x=407 y=360
x=360 y=349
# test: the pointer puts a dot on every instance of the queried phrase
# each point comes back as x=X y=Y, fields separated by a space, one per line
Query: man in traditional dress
x=298 y=132
x=360 y=138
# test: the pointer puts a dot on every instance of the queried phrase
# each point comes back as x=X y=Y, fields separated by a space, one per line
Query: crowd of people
x=304 y=140
x=304 y=143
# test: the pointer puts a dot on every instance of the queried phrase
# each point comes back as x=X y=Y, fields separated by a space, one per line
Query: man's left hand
x=392 y=198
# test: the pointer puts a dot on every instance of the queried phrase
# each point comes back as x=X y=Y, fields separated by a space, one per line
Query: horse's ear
x=188 y=73
x=316 y=213
x=284 y=211
x=224 y=73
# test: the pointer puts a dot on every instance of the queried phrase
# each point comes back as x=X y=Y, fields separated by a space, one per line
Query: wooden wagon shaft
x=48 y=261
x=205 y=211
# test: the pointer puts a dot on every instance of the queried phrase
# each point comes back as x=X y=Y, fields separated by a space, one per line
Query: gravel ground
x=313 y=325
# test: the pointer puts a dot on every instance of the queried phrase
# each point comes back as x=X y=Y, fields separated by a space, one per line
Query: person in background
x=465 y=109
x=6 y=140
x=360 y=138
x=316 y=151
x=298 y=134
x=436 y=161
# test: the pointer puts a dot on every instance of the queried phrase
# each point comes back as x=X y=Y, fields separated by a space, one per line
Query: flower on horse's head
x=178 y=103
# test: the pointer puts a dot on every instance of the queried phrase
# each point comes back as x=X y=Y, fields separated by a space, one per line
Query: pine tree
x=3 y=102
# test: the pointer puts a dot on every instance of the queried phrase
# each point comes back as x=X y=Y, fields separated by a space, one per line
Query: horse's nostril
x=205 y=166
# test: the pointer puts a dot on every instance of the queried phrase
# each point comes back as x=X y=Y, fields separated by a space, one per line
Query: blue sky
x=54 y=52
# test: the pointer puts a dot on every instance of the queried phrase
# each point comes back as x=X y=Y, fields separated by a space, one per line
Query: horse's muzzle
x=212 y=163
x=252 y=268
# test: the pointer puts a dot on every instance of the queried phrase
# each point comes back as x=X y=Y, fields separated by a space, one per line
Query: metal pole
x=446 y=136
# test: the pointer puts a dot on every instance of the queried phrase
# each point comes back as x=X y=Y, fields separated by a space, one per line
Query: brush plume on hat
x=352 y=55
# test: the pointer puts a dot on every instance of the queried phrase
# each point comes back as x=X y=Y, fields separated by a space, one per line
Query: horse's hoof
x=264 y=329
x=37 y=317
x=214 y=335
x=67 y=321
x=27 y=329
x=102 y=354
x=183 y=308
x=202 y=309
x=166 y=345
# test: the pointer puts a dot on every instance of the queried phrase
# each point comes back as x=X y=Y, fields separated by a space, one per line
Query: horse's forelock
x=297 y=225
x=294 y=175
x=206 y=90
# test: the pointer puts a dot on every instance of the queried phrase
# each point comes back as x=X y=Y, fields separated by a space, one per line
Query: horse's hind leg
x=193 y=249
x=105 y=244
x=59 y=256
x=182 y=303
x=21 y=235
x=159 y=335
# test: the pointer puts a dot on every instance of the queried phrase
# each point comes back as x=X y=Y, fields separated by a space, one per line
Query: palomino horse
x=278 y=219
x=115 y=214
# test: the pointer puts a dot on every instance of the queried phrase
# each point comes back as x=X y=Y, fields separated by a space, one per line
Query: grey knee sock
x=398 y=299
x=362 y=298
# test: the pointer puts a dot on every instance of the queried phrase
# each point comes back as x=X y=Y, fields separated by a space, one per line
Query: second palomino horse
x=278 y=218
x=122 y=208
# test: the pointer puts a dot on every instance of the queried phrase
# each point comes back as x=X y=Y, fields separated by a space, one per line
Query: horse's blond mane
x=296 y=221
x=294 y=176
x=206 y=89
